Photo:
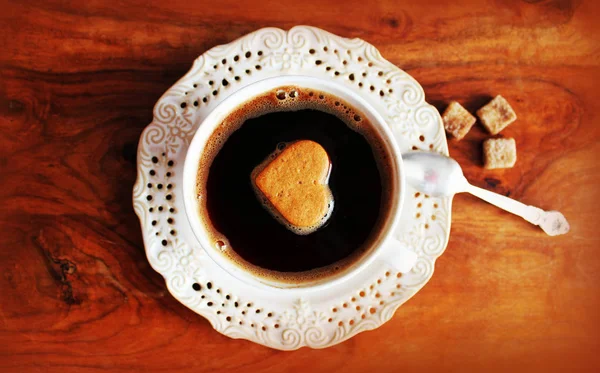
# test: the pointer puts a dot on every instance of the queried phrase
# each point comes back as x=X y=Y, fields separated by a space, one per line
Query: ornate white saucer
x=285 y=320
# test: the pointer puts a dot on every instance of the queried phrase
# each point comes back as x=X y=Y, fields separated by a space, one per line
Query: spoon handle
x=552 y=222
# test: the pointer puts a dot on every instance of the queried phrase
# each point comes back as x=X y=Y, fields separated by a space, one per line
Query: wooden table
x=77 y=86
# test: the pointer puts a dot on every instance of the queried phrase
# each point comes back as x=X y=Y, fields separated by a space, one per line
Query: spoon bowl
x=435 y=175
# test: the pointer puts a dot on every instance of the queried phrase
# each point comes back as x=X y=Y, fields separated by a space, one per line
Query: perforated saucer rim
x=234 y=308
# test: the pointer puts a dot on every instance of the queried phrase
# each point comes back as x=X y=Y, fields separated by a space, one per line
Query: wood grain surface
x=78 y=81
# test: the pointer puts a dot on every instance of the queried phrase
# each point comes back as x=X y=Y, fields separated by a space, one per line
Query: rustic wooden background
x=78 y=81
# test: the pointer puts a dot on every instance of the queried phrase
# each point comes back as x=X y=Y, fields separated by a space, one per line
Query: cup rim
x=215 y=117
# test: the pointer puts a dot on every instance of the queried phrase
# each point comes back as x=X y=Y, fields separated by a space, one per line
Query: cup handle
x=400 y=258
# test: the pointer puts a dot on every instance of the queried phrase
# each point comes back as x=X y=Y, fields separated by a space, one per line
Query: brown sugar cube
x=457 y=120
x=496 y=115
x=294 y=181
x=499 y=153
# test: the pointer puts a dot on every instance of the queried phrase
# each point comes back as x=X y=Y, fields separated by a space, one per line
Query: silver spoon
x=440 y=176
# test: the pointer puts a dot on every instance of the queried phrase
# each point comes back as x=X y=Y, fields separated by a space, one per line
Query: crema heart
x=292 y=184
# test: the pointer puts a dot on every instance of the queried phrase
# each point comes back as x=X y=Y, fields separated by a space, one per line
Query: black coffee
x=360 y=182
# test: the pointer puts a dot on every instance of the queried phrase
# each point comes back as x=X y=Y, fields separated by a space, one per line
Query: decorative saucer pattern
x=238 y=310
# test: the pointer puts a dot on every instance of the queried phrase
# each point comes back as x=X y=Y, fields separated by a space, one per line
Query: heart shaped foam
x=293 y=183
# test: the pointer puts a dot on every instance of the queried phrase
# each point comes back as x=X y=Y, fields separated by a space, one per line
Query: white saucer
x=284 y=320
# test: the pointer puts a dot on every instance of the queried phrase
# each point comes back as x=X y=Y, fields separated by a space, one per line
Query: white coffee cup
x=403 y=261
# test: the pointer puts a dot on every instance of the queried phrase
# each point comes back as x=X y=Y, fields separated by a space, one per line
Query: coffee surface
x=238 y=222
